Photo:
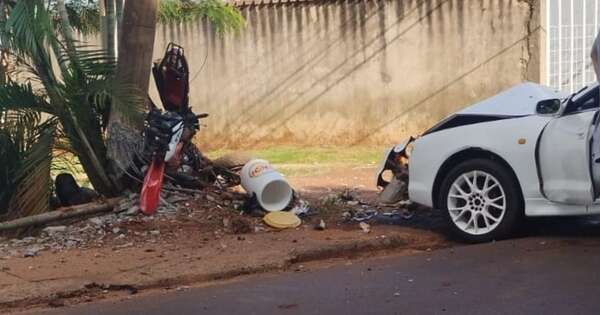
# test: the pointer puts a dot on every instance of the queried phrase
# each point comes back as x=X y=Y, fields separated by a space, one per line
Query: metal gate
x=572 y=26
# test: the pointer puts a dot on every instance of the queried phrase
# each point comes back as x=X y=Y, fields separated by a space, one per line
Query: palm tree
x=56 y=94
x=135 y=55
x=77 y=93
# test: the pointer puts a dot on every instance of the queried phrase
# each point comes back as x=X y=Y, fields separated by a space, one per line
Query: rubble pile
x=214 y=210
x=126 y=226
x=357 y=210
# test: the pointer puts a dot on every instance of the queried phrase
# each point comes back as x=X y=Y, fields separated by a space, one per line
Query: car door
x=564 y=154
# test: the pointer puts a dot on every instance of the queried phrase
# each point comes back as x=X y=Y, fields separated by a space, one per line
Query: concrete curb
x=352 y=248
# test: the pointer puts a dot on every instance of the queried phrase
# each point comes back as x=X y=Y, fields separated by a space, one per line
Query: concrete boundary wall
x=353 y=71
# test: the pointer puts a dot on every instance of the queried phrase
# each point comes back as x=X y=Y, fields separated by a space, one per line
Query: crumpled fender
x=391 y=161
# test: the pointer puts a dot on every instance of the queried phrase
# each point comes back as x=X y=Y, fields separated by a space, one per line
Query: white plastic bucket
x=271 y=189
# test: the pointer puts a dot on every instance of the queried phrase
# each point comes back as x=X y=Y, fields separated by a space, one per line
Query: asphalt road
x=536 y=275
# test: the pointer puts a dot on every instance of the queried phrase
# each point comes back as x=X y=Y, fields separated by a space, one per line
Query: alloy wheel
x=476 y=202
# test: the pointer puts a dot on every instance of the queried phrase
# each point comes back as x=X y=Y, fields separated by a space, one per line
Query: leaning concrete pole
x=136 y=43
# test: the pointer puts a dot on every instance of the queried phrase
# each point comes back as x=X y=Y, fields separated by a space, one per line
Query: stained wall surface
x=353 y=71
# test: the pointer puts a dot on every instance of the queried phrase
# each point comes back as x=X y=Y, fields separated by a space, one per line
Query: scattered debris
x=54 y=229
x=407 y=215
x=226 y=223
x=404 y=203
x=97 y=221
x=349 y=195
x=321 y=226
x=365 y=227
x=110 y=287
x=112 y=228
x=218 y=208
x=301 y=208
x=282 y=219
x=364 y=215
x=134 y=210
x=330 y=200
x=240 y=225
x=32 y=251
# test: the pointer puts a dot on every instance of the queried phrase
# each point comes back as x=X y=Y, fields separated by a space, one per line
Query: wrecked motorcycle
x=168 y=135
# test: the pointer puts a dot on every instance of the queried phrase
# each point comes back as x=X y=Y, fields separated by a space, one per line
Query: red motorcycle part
x=150 y=195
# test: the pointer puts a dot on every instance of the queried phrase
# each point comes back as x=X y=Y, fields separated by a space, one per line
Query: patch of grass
x=315 y=155
x=309 y=161
x=289 y=160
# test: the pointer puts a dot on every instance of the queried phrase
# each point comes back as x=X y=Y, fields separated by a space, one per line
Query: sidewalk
x=56 y=279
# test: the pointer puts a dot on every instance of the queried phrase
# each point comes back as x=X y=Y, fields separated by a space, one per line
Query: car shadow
x=428 y=219
x=567 y=226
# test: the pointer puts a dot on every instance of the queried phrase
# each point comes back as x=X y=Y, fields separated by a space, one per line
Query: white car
x=528 y=151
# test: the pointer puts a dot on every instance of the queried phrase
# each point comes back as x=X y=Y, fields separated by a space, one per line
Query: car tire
x=481 y=201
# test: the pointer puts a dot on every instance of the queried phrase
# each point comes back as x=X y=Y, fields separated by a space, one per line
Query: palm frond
x=32 y=193
x=90 y=61
x=91 y=81
x=20 y=96
x=84 y=16
x=120 y=97
x=20 y=127
x=10 y=161
x=29 y=31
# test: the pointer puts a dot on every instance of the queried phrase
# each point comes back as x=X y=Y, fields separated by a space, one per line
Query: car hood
x=519 y=100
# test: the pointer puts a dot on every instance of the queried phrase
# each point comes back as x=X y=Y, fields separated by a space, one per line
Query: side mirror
x=545 y=107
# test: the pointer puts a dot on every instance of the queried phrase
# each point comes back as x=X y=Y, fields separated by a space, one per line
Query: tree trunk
x=60 y=214
x=102 y=13
x=119 y=7
x=136 y=43
x=111 y=28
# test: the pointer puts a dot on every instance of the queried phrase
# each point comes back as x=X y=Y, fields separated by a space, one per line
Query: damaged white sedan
x=528 y=151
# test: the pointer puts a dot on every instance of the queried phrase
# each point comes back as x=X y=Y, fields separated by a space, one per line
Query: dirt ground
x=217 y=238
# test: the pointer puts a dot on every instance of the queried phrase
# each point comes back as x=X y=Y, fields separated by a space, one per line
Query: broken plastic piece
x=150 y=195
x=282 y=220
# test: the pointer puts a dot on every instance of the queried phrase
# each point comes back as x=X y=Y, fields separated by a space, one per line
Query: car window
x=587 y=101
